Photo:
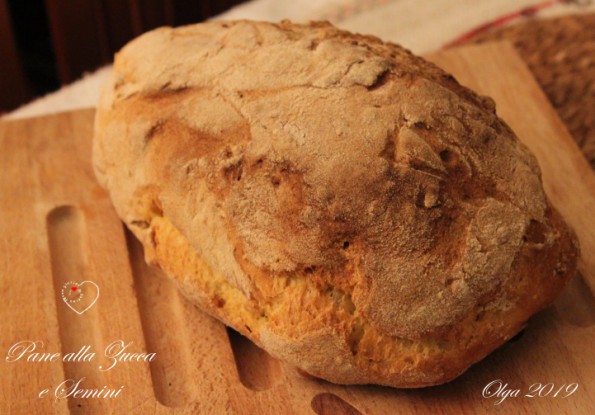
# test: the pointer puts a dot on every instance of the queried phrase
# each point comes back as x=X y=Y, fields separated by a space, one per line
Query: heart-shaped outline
x=80 y=284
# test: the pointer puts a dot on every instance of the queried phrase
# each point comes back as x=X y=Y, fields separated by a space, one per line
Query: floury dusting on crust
x=368 y=218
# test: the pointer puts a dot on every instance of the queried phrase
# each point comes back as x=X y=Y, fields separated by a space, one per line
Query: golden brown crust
x=345 y=204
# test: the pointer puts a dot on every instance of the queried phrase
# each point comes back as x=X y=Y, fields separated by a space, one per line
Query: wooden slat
x=76 y=38
x=86 y=34
x=118 y=23
x=13 y=84
x=27 y=306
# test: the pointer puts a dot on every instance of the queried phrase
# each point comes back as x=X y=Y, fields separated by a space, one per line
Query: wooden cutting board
x=57 y=225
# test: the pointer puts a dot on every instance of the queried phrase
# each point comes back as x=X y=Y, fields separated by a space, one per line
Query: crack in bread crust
x=326 y=188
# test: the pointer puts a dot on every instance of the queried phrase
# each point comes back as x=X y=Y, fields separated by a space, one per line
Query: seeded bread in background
x=560 y=52
x=346 y=205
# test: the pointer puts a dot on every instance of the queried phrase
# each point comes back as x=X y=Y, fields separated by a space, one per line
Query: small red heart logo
x=83 y=295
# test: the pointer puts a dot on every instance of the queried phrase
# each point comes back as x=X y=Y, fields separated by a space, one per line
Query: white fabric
x=420 y=25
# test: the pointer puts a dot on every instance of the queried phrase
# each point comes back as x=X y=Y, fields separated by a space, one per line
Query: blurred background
x=47 y=43
x=55 y=54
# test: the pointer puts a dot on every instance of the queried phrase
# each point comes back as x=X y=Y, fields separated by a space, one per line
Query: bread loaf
x=345 y=204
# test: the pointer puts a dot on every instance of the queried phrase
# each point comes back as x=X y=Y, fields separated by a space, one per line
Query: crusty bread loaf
x=343 y=203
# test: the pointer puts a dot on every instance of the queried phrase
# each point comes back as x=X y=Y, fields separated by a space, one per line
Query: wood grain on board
x=57 y=225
